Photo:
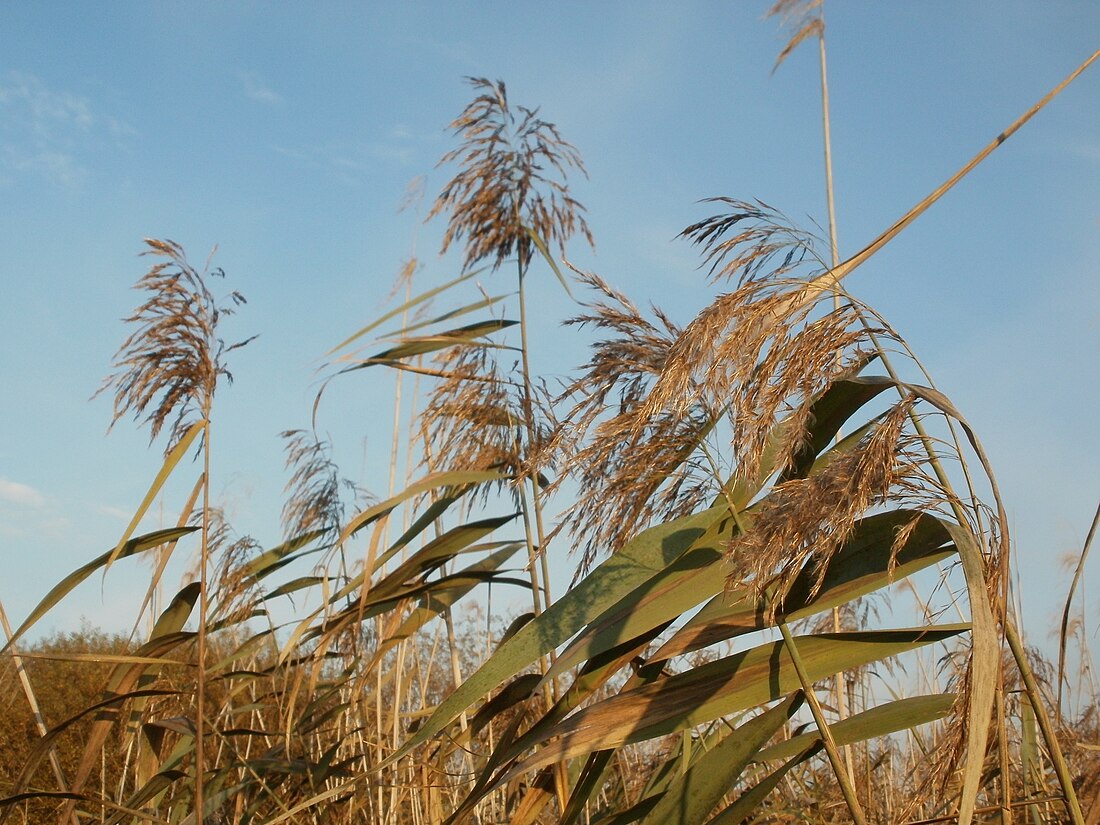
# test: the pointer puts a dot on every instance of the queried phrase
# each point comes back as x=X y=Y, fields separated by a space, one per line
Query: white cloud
x=256 y=89
x=17 y=493
x=41 y=109
x=60 y=167
x=115 y=512
x=44 y=131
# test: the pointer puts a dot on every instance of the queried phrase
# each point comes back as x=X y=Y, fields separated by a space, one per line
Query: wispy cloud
x=256 y=89
x=114 y=512
x=350 y=162
x=44 y=131
x=23 y=494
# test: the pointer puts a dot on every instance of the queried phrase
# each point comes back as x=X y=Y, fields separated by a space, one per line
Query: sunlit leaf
x=637 y=562
x=718 y=688
x=66 y=585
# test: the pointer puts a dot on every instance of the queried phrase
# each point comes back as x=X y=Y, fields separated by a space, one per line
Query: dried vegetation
x=744 y=489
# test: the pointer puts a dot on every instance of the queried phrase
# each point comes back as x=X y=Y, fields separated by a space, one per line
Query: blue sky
x=288 y=133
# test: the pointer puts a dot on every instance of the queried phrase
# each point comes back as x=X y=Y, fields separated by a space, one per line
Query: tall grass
x=731 y=483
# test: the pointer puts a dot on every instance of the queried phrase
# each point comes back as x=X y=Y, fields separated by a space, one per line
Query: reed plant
x=735 y=485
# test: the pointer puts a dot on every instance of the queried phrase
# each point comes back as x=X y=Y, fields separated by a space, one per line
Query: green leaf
x=293 y=586
x=428 y=518
x=423 y=344
x=901 y=714
x=434 y=481
x=753 y=798
x=155 y=786
x=697 y=792
x=436 y=601
x=412 y=302
x=66 y=585
x=376 y=604
x=439 y=551
x=725 y=686
x=861 y=566
x=175 y=616
x=829 y=412
x=642 y=558
x=170 y=462
x=692 y=578
x=270 y=560
x=588 y=785
x=447 y=316
x=686 y=581
x=518 y=690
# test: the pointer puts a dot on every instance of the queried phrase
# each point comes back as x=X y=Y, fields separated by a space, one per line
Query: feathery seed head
x=511 y=181
x=167 y=369
x=314 y=489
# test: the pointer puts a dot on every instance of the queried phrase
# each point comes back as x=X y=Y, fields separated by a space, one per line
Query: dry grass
x=168 y=368
x=805 y=521
x=366 y=709
x=511 y=180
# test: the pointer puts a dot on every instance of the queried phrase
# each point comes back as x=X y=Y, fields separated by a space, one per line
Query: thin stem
x=200 y=688
x=529 y=538
x=1069 y=601
x=840 y=688
x=561 y=784
x=834 y=248
x=842 y=776
x=529 y=423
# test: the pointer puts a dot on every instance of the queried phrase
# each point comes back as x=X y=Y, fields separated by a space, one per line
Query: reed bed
x=744 y=490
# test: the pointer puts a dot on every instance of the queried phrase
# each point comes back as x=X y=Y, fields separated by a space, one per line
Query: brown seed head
x=167 y=369
x=511 y=180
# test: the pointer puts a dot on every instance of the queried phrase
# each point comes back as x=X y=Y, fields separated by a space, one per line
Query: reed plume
x=754 y=357
x=627 y=480
x=167 y=369
x=803 y=18
x=806 y=521
x=314 y=492
x=511 y=179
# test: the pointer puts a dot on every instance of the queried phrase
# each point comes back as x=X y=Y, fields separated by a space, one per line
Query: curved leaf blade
x=729 y=685
x=696 y=793
x=636 y=563
x=130 y=548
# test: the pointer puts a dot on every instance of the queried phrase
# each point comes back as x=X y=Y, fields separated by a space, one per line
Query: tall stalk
x=840 y=686
x=813 y=21
x=167 y=375
x=508 y=197
x=200 y=676
x=529 y=424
